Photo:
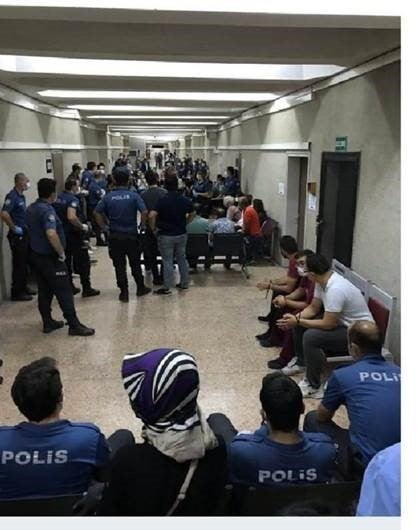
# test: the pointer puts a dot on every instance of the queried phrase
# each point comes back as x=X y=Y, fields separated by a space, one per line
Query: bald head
x=366 y=336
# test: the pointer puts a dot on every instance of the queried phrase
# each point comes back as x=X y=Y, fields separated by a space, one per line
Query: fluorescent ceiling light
x=179 y=122
x=122 y=68
x=178 y=96
x=151 y=117
x=126 y=108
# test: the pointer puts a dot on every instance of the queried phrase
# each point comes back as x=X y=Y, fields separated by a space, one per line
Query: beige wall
x=367 y=111
x=39 y=131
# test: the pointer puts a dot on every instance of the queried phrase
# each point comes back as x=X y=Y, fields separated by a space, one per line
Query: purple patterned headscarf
x=162 y=385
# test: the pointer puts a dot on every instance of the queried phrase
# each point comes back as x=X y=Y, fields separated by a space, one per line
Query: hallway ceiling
x=300 y=49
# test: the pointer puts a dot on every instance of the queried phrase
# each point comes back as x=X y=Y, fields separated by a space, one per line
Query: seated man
x=284 y=285
x=381 y=488
x=370 y=389
x=250 y=227
x=278 y=453
x=220 y=225
x=342 y=304
x=198 y=225
x=47 y=456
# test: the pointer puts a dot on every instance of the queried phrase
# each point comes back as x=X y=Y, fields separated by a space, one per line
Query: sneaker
x=90 y=292
x=276 y=364
x=263 y=335
x=266 y=343
x=162 y=290
x=22 y=297
x=81 y=330
x=52 y=325
x=182 y=287
x=293 y=368
x=143 y=290
x=265 y=318
x=123 y=297
x=309 y=391
x=31 y=291
x=304 y=383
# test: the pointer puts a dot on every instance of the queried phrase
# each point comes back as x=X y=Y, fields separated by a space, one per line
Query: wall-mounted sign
x=48 y=165
x=341 y=143
x=281 y=190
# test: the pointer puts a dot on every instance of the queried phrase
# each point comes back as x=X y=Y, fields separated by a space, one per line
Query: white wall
x=367 y=111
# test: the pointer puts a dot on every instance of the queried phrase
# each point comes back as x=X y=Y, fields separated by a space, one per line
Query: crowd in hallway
x=184 y=462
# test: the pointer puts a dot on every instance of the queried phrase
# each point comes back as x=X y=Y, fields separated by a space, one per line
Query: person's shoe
x=181 y=287
x=158 y=281
x=276 y=364
x=123 y=297
x=309 y=391
x=22 y=297
x=30 y=291
x=52 y=325
x=162 y=290
x=227 y=267
x=293 y=368
x=265 y=318
x=143 y=290
x=90 y=292
x=80 y=330
x=264 y=335
x=266 y=343
x=75 y=289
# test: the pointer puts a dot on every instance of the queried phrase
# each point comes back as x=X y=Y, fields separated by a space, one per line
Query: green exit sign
x=341 y=143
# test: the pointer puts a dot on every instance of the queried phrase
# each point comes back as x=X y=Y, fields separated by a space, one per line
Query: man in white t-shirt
x=322 y=326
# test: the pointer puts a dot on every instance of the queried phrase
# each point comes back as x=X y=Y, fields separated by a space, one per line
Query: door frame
x=334 y=156
x=301 y=221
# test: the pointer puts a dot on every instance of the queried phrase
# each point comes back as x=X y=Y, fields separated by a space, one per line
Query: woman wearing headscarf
x=180 y=468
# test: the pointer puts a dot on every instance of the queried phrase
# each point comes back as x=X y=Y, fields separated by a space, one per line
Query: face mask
x=302 y=271
x=28 y=185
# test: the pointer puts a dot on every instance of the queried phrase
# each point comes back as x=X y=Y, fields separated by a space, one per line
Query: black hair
x=121 y=176
x=289 y=244
x=90 y=166
x=70 y=183
x=37 y=389
x=171 y=182
x=369 y=340
x=282 y=401
x=151 y=177
x=75 y=167
x=46 y=187
x=317 y=264
x=101 y=164
x=258 y=205
x=231 y=170
x=302 y=253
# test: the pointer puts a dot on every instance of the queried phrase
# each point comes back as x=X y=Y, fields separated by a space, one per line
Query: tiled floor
x=215 y=320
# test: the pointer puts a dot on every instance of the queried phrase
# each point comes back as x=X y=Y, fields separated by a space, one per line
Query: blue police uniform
x=87 y=177
x=370 y=389
x=51 y=273
x=15 y=206
x=51 y=460
x=256 y=460
x=120 y=207
x=232 y=186
x=95 y=195
x=77 y=257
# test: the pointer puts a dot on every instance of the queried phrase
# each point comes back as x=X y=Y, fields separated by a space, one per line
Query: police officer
x=88 y=174
x=47 y=242
x=120 y=207
x=96 y=192
x=13 y=214
x=69 y=211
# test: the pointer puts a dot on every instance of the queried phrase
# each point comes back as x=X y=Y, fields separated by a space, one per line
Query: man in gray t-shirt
x=151 y=197
x=322 y=326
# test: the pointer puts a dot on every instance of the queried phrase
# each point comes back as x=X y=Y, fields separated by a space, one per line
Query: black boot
x=51 y=325
x=89 y=291
x=79 y=329
x=123 y=295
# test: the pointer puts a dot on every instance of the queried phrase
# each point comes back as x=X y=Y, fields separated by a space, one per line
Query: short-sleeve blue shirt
x=40 y=217
x=15 y=206
x=172 y=212
x=256 y=460
x=95 y=193
x=66 y=200
x=87 y=177
x=49 y=460
x=120 y=206
x=371 y=391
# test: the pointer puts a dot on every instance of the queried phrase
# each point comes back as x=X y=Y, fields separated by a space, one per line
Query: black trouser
x=349 y=458
x=95 y=227
x=122 y=246
x=77 y=258
x=150 y=249
x=53 y=279
x=19 y=246
x=222 y=426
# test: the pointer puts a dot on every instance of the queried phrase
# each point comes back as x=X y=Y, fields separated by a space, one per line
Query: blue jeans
x=170 y=247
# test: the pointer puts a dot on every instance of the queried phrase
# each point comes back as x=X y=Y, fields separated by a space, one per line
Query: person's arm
x=8 y=220
x=190 y=216
x=152 y=220
x=332 y=400
x=74 y=220
x=55 y=242
x=289 y=321
x=141 y=207
x=328 y=321
x=100 y=214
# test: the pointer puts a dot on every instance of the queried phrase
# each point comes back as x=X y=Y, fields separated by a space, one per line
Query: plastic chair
x=382 y=306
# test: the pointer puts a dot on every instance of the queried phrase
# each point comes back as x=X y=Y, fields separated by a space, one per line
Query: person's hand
x=62 y=258
x=262 y=286
x=85 y=227
x=18 y=230
x=287 y=322
x=280 y=301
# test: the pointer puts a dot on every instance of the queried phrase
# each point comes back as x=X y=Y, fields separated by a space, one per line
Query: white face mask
x=302 y=271
x=28 y=185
